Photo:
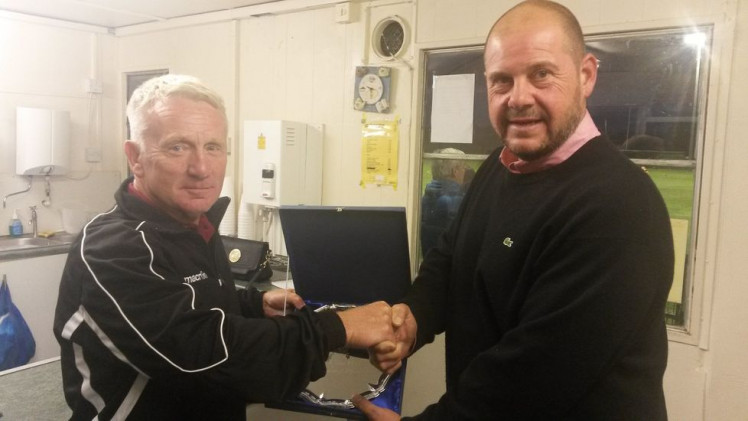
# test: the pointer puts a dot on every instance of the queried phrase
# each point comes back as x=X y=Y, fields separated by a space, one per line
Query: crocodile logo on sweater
x=196 y=277
x=508 y=242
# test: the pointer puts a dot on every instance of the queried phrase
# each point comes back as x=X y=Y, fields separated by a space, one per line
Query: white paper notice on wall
x=452 y=109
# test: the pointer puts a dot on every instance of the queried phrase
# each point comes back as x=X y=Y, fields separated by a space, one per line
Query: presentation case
x=340 y=257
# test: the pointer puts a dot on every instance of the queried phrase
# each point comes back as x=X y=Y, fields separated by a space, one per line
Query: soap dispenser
x=15 y=227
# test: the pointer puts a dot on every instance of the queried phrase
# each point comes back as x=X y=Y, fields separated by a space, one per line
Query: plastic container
x=15 y=227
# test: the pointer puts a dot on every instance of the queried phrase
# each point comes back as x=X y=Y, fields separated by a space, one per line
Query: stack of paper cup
x=246 y=224
x=228 y=223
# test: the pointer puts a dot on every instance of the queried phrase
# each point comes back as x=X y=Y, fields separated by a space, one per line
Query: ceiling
x=120 y=13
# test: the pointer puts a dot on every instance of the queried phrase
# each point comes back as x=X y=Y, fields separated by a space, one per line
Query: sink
x=17 y=243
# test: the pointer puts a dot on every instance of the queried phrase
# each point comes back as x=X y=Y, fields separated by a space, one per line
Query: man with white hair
x=148 y=318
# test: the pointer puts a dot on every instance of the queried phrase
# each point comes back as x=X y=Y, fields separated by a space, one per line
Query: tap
x=33 y=221
x=5 y=198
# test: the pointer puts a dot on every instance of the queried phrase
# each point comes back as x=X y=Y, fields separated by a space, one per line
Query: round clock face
x=370 y=88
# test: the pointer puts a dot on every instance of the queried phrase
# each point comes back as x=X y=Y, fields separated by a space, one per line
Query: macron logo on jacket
x=196 y=277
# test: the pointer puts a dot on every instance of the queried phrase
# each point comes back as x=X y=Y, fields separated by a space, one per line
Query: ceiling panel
x=119 y=13
x=177 y=8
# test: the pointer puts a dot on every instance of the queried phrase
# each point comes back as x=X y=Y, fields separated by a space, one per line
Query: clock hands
x=372 y=92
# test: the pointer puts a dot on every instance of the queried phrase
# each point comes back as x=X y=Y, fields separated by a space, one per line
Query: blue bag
x=17 y=345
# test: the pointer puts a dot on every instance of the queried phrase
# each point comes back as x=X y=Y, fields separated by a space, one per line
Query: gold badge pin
x=235 y=255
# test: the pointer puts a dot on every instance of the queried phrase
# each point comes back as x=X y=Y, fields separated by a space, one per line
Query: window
x=132 y=81
x=650 y=100
x=135 y=79
x=447 y=166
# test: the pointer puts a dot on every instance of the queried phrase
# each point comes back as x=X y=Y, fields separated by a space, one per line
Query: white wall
x=45 y=65
x=299 y=66
x=206 y=51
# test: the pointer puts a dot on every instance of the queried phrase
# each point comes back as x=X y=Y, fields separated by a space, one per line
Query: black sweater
x=551 y=288
x=151 y=326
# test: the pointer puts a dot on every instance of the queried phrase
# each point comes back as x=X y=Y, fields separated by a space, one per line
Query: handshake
x=389 y=333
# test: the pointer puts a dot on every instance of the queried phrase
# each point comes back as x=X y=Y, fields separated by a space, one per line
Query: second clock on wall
x=372 y=90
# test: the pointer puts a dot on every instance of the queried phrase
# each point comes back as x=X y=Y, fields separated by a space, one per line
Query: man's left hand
x=277 y=302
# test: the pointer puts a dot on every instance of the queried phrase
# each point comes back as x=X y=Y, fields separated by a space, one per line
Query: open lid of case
x=352 y=255
x=347 y=255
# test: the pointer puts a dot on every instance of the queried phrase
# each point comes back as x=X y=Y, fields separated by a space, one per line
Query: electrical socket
x=93 y=86
x=343 y=12
x=93 y=154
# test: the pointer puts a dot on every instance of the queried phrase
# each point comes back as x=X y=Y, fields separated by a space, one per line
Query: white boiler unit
x=282 y=166
x=282 y=163
x=42 y=141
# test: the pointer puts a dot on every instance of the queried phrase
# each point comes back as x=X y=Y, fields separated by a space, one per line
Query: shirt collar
x=585 y=131
x=204 y=227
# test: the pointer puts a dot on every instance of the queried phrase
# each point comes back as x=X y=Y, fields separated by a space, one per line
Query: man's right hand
x=387 y=356
x=366 y=326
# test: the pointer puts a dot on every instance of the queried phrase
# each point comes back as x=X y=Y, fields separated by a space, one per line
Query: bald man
x=551 y=283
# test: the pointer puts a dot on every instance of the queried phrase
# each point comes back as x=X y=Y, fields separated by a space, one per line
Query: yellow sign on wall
x=379 y=152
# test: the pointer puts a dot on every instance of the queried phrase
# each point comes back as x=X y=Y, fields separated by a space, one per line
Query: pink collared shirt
x=586 y=131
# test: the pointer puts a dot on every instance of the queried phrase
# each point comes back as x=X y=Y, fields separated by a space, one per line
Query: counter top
x=33 y=392
x=26 y=253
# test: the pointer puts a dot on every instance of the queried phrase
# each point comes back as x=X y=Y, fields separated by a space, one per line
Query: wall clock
x=372 y=89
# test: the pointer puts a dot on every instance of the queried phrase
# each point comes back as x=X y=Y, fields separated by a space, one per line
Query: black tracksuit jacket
x=151 y=326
